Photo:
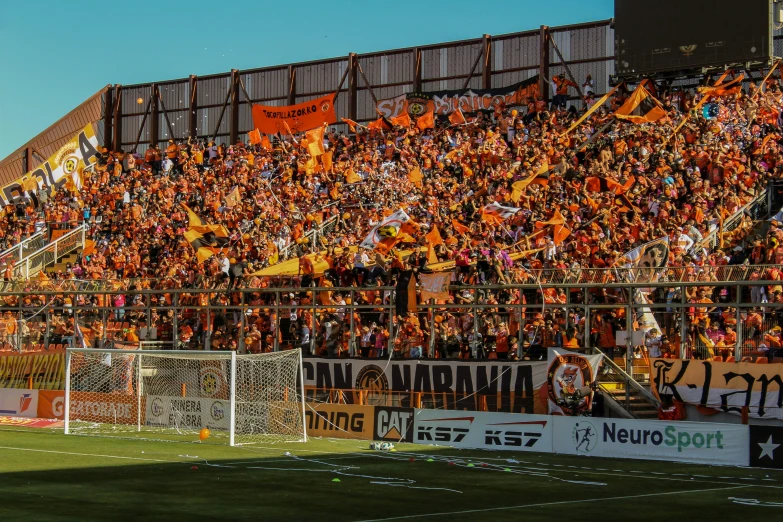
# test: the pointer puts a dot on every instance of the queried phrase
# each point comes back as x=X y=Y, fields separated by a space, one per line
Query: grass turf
x=45 y=475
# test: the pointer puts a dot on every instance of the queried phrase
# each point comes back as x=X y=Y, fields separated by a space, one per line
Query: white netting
x=175 y=395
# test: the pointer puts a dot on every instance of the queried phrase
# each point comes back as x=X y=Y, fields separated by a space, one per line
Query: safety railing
x=32 y=264
x=312 y=236
x=612 y=374
x=24 y=248
x=754 y=209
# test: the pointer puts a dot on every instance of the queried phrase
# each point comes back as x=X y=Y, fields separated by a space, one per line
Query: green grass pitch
x=45 y=475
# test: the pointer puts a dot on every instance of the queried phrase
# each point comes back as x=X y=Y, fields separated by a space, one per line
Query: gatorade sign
x=697 y=442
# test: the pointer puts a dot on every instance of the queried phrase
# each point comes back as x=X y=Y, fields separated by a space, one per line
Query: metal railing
x=31 y=265
x=753 y=209
x=312 y=236
x=24 y=248
x=616 y=375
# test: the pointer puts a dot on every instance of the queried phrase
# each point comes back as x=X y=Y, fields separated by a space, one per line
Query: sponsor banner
x=51 y=404
x=569 y=378
x=518 y=380
x=63 y=166
x=446 y=102
x=47 y=371
x=343 y=421
x=187 y=412
x=19 y=403
x=483 y=430
x=393 y=424
x=29 y=423
x=695 y=442
x=111 y=408
x=766 y=446
x=724 y=386
x=294 y=118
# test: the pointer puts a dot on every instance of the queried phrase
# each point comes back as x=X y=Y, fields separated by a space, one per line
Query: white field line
x=546 y=504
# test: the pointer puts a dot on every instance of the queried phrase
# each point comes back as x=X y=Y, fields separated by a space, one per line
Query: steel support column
x=108 y=109
x=486 y=72
x=193 y=107
x=116 y=140
x=353 y=99
x=234 y=124
x=154 y=117
x=543 y=62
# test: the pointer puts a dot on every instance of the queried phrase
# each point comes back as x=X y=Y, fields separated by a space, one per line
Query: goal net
x=174 y=395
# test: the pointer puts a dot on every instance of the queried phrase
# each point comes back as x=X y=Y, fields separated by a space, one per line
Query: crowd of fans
x=682 y=185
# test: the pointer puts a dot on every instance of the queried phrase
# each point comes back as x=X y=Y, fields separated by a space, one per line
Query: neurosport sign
x=696 y=442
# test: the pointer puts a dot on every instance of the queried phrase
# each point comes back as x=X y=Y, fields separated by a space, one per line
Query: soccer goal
x=174 y=395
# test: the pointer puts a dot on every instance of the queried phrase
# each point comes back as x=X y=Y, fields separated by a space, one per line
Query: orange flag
x=265 y=143
x=403 y=120
x=378 y=124
x=414 y=176
x=315 y=141
x=561 y=233
x=303 y=116
x=426 y=120
x=254 y=136
x=351 y=176
x=433 y=236
x=326 y=161
x=351 y=124
x=557 y=219
x=459 y=228
x=457 y=118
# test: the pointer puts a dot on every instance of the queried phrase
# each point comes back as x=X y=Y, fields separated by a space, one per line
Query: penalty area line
x=87 y=454
x=545 y=504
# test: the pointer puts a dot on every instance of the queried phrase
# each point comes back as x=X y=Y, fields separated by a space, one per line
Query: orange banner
x=51 y=404
x=299 y=118
x=113 y=408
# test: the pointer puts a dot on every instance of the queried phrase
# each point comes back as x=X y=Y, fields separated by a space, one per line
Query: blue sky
x=56 y=53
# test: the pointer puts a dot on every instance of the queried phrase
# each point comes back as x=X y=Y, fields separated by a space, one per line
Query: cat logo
x=325 y=106
x=393 y=424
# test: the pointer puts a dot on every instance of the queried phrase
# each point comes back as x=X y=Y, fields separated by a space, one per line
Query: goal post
x=175 y=394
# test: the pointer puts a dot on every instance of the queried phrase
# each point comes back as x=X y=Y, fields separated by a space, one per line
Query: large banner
x=342 y=421
x=187 y=412
x=483 y=430
x=569 y=378
x=51 y=404
x=112 y=408
x=519 y=381
x=696 y=442
x=724 y=386
x=64 y=165
x=446 y=102
x=294 y=118
x=19 y=403
x=47 y=371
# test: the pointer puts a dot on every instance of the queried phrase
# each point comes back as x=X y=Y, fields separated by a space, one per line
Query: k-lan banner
x=67 y=164
x=722 y=386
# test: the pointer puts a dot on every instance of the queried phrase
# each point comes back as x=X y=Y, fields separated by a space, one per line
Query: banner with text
x=483 y=430
x=47 y=371
x=516 y=382
x=723 y=386
x=569 y=378
x=696 y=442
x=110 y=408
x=66 y=164
x=188 y=413
x=342 y=421
x=294 y=118
x=445 y=102
x=51 y=404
